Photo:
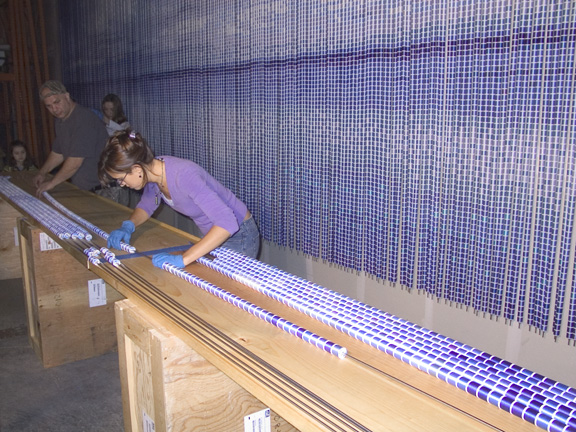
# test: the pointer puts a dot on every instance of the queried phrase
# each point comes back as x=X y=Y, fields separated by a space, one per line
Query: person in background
x=115 y=120
x=185 y=186
x=80 y=138
x=113 y=114
x=19 y=159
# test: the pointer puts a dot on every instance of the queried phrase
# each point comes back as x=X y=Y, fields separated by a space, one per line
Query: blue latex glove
x=161 y=258
x=122 y=234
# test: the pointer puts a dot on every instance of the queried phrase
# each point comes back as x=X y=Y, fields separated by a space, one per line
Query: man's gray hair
x=54 y=87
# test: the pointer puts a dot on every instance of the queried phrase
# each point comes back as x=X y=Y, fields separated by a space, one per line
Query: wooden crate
x=167 y=386
x=9 y=250
x=64 y=323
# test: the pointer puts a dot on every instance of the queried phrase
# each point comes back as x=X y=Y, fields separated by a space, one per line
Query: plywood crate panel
x=9 y=250
x=167 y=386
x=62 y=325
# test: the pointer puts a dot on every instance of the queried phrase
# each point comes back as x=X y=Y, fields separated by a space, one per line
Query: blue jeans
x=246 y=240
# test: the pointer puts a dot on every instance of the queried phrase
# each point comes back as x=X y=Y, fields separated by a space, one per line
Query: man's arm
x=67 y=170
x=54 y=159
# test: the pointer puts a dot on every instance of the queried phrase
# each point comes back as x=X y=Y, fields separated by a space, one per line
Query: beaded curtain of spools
x=429 y=143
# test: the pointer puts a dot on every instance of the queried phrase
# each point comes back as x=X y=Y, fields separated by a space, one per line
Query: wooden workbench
x=311 y=389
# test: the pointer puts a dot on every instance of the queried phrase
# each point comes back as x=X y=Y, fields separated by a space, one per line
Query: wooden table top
x=310 y=388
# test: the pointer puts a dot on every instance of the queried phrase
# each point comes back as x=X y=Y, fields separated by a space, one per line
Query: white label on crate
x=16 y=237
x=258 y=422
x=97 y=292
x=147 y=423
x=46 y=243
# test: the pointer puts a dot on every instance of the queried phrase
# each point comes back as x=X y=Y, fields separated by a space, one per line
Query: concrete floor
x=82 y=396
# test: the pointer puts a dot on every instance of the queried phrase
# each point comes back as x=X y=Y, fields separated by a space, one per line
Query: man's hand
x=38 y=179
x=43 y=187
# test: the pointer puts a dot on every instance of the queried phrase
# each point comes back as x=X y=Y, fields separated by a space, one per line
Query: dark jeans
x=246 y=240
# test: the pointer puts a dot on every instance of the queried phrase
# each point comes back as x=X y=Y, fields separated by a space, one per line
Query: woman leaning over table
x=185 y=186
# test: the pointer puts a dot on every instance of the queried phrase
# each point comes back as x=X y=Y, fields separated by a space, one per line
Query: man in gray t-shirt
x=80 y=138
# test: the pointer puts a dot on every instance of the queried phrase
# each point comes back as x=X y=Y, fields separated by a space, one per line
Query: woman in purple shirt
x=185 y=186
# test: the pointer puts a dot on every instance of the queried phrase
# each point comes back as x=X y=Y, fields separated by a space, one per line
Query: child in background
x=115 y=120
x=19 y=158
x=113 y=112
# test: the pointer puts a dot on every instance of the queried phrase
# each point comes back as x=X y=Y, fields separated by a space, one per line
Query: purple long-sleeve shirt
x=196 y=194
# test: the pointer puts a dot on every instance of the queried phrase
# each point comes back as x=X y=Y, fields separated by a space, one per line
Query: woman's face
x=133 y=179
x=108 y=110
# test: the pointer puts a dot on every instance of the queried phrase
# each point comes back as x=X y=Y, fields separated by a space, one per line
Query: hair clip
x=132 y=134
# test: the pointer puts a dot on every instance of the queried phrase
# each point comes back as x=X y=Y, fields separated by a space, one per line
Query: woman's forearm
x=138 y=217
x=213 y=238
